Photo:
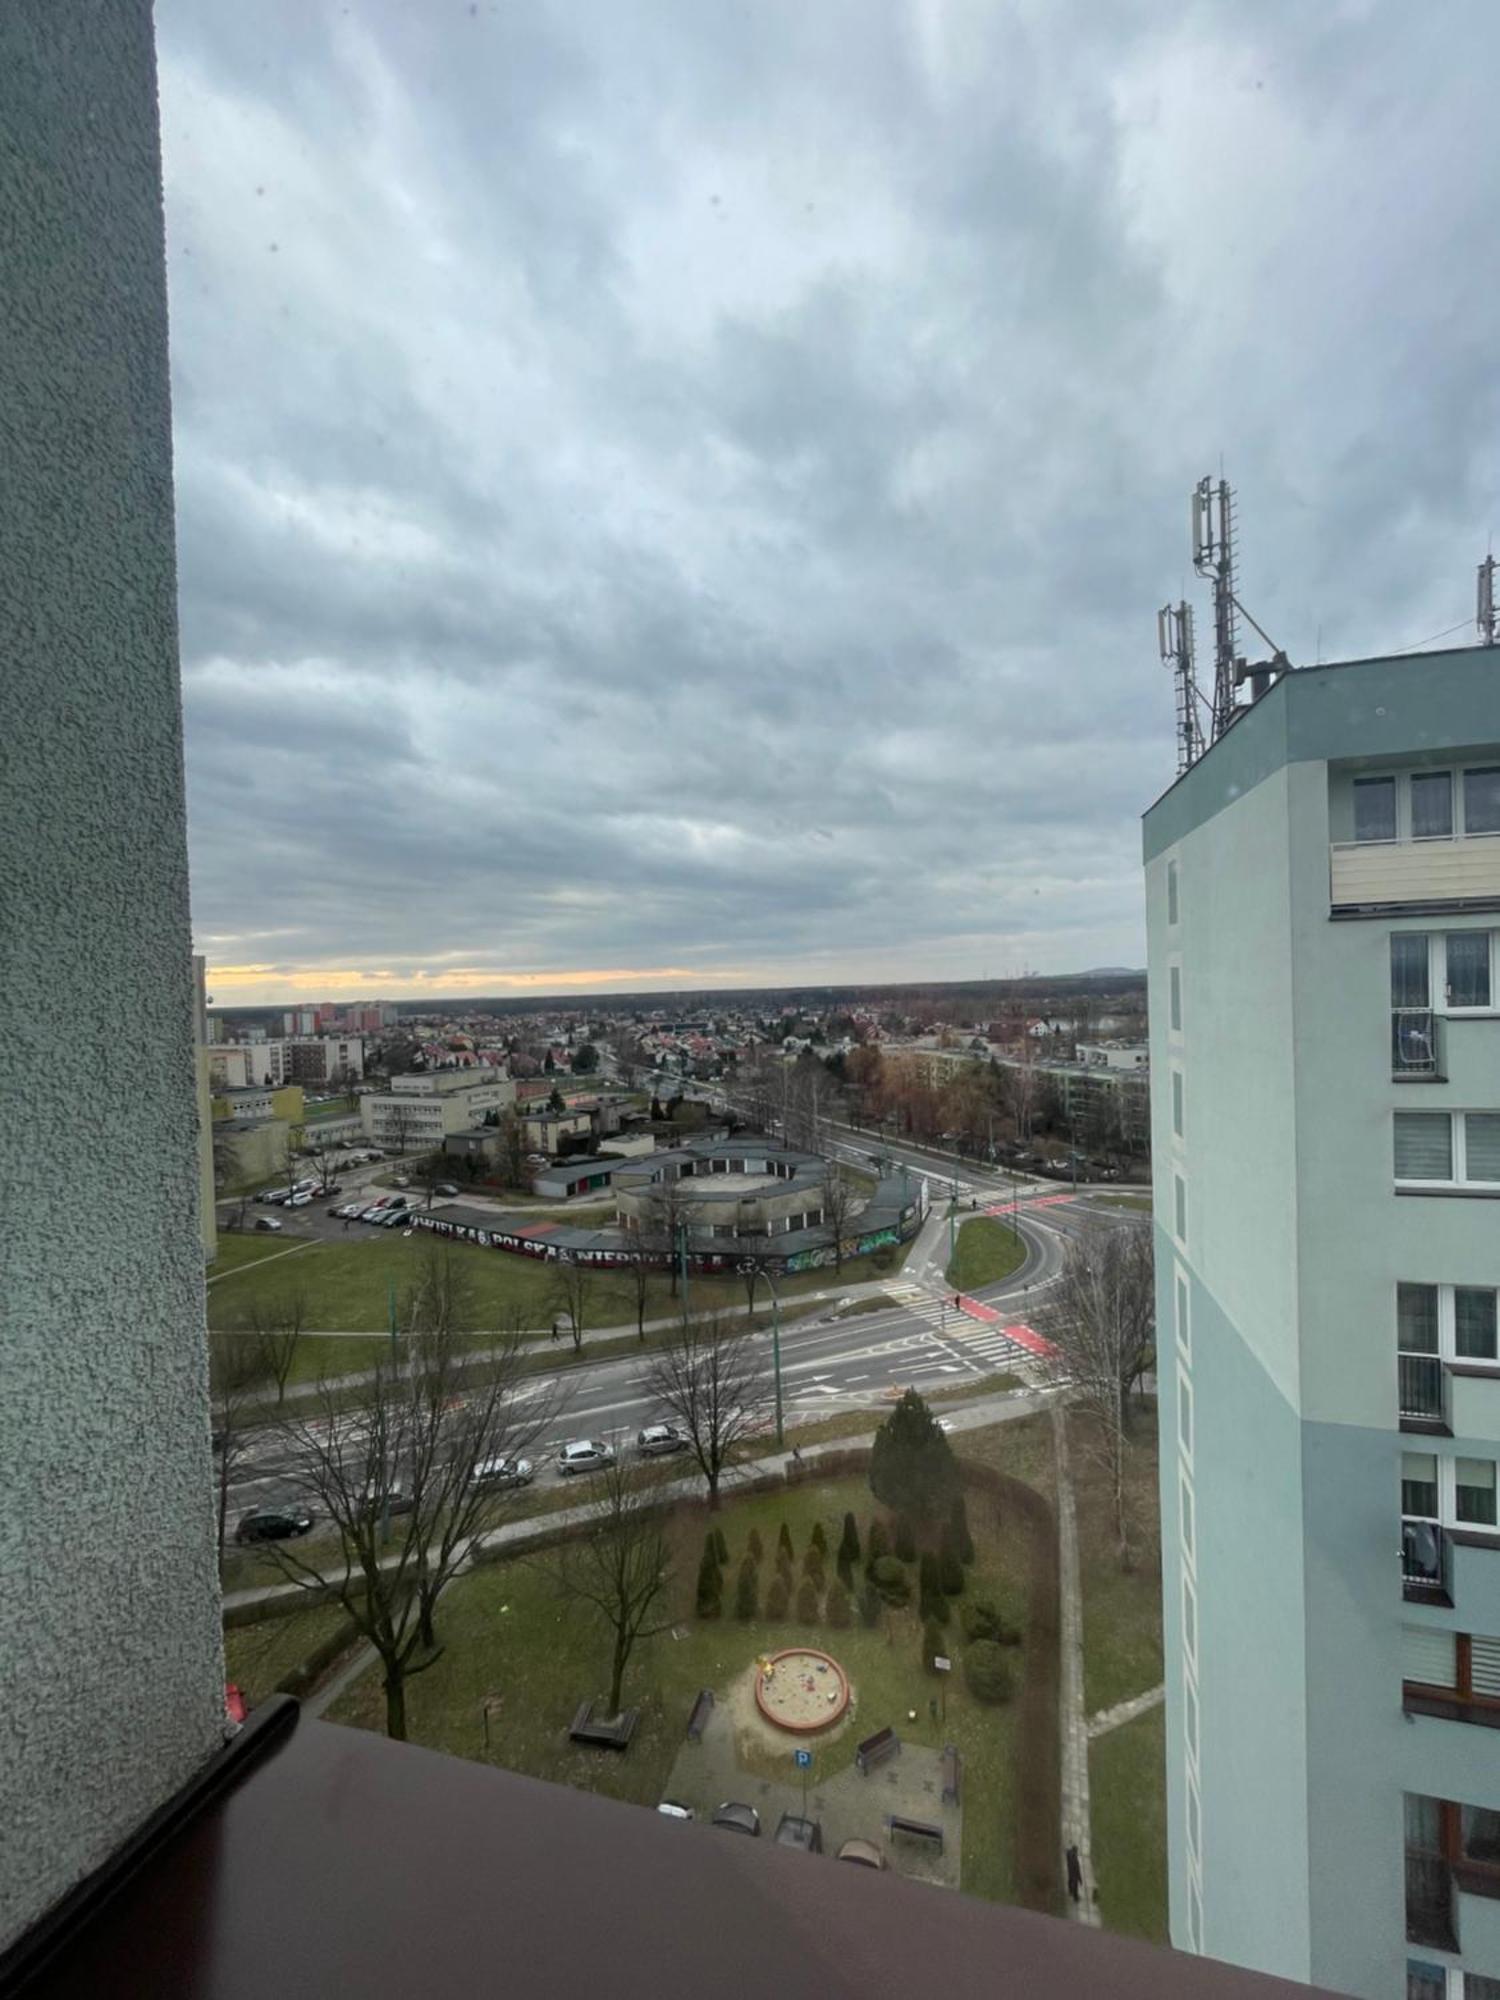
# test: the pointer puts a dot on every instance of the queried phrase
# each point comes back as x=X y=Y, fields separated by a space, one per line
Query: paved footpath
x=1073 y=1723
x=1125 y=1711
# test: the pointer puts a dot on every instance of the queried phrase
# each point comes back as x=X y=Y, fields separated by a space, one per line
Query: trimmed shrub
x=838 y=1610
x=981 y=1618
x=846 y=1572
x=721 y=1545
x=933 y=1644
x=958 y=1522
x=849 y=1542
x=710 y=1594
x=869 y=1606
x=987 y=1671
x=889 y=1578
x=784 y=1570
x=951 y=1572
x=755 y=1548
x=708 y=1569
x=784 y=1543
x=807 y=1602
x=906 y=1538
x=710 y=1552
x=747 y=1592
x=878 y=1543
x=817 y=1539
x=776 y=1600
x=932 y=1604
x=812 y=1562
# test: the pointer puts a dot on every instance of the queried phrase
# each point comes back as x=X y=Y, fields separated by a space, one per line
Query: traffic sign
x=803 y=1758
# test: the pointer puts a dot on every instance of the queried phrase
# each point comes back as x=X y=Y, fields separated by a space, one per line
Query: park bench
x=876 y=1749
x=917 y=1829
x=614 y=1735
x=952 y=1772
x=703 y=1708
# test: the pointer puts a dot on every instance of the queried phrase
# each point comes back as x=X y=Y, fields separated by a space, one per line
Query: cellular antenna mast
x=1213 y=559
x=1484 y=616
x=1174 y=636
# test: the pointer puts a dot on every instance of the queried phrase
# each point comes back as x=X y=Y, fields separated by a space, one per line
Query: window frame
x=1458 y=1155
x=1446 y=1486
x=1367 y=785
x=1476 y=771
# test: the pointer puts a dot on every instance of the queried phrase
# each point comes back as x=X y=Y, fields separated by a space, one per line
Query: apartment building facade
x=418 y=1112
x=1323 y=908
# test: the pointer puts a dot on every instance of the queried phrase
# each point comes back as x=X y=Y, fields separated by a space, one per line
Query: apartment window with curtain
x=1467 y=968
x=1375 y=809
x=1482 y=800
x=1410 y=955
x=1474 y=1491
x=1432 y=805
x=1419 y=1367
x=1424 y=1146
x=1474 y=1322
x=1419 y=1485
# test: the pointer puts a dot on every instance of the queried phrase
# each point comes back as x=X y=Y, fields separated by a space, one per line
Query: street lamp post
x=776 y=1358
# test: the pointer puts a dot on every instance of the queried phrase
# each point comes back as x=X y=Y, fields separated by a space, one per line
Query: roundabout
x=801 y=1690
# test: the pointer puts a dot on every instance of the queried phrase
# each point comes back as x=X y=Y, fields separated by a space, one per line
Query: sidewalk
x=534 y=1528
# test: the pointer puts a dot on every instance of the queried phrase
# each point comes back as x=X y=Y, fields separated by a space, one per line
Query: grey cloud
x=691 y=486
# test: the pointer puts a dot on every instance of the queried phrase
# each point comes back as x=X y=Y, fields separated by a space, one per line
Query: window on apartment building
x=1177 y=1102
x=1419 y=1485
x=1474 y=1491
x=1174 y=998
x=1425 y=1982
x=1410 y=955
x=1185 y=1505
x=1467 y=965
x=1424 y=1146
x=1417 y=1318
x=1429 y=1657
x=1375 y=809
x=1474 y=1322
x=1171 y=892
x=1185 y=1414
x=1179 y=1196
x=1482 y=800
x=1184 y=1332
x=1432 y=805
x=1478 y=1986
x=1479 y=1835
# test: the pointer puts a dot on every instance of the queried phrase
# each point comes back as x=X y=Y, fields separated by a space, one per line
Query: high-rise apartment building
x=1323 y=907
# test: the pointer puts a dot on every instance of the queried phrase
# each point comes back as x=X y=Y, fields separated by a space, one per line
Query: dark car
x=273 y=1524
x=388 y=1500
x=737 y=1818
x=804 y=1833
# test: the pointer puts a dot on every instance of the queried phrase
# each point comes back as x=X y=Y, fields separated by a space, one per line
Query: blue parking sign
x=803 y=1757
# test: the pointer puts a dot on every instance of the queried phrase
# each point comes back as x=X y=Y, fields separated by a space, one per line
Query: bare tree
x=278 y=1325
x=621 y=1567
x=668 y=1217
x=400 y=1127
x=753 y=1266
x=641 y=1262
x=841 y=1202
x=236 y=1375
x=1101 y=1324
x=572 y=1292
x=416 y=1443
x=712 y=1383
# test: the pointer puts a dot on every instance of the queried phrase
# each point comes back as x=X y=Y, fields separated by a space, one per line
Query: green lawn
x=259 y=1657
x=347 y=1283
x=987 y=1250
x=506 y=1633
x=1127 y=1784
x=1122 y=1653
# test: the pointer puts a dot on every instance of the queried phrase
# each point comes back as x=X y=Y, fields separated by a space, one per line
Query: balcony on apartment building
x=1415 y=840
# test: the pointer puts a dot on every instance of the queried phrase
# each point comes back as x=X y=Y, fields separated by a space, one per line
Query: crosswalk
x=974 y=1332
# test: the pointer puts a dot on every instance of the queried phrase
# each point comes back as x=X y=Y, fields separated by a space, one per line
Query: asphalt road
x=829 y=1364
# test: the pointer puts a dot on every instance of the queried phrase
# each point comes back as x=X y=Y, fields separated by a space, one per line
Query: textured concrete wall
x=110 y=1665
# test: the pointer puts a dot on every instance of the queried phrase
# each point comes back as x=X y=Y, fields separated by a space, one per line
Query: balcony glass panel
x=1432 y=805
x=1375 y=808
x=1481 y=801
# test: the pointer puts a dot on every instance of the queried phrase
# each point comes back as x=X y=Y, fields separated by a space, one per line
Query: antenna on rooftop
x=1484 y=616
x=1174 y=637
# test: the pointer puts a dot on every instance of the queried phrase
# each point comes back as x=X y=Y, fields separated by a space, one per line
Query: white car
x=266 y=1222
x=657 y=1439
x=584 y=1455
x=303 y=1200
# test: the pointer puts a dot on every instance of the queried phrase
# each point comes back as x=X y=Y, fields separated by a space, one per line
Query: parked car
x=656 y=1439
x=674 y=1811
x=303 y=1200
x=864 y=1853
x=395 y=1218
x=804 y=1833
x=333 y=1187
x=503 y=1472
x=403 y=1180
x=445 y=1187
x=392 y=1499
x=737 y=1818
x=373 y=1213
x=273 y=1524
x=267 y=1222
x=584 y=1455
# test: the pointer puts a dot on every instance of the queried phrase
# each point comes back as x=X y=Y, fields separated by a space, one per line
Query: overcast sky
x=681 y=491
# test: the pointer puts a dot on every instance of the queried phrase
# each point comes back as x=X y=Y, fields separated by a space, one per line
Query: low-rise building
x=261 y=1101
x=419 y=1112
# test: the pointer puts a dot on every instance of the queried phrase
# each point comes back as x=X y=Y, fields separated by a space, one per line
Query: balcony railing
x=1416 y=1046
x=1424 y=1561
x=1420 y=1387
x=1429 y=1902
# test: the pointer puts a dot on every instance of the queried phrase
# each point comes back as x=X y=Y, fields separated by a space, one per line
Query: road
x=829 y=1363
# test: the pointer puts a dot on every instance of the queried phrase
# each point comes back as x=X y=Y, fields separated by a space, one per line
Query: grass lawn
x=1122 y=1653
x=987 y=1250
x=1127 y=1784
x=506 y=1633
x=258 y=1657
x=347 y=1283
